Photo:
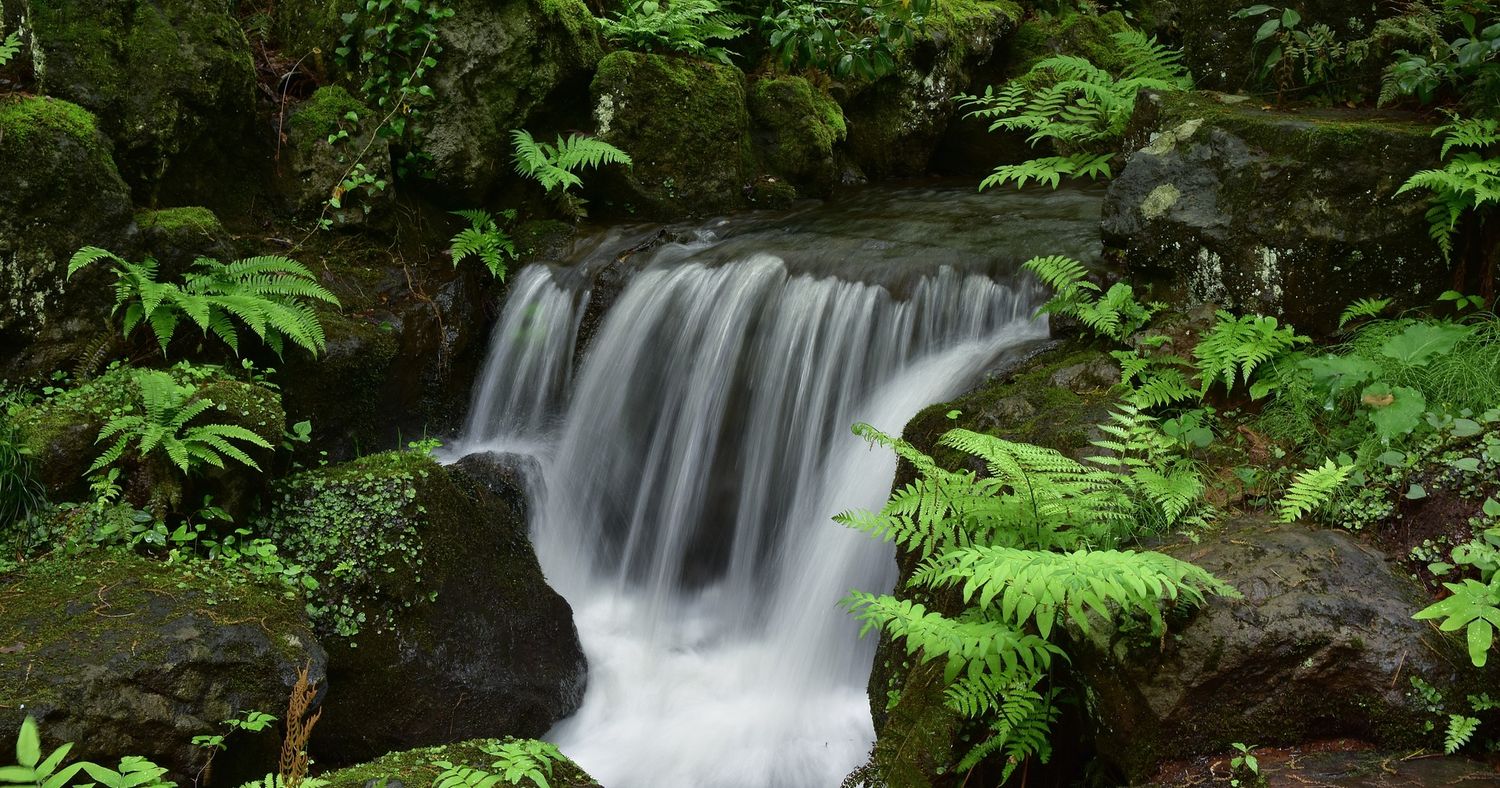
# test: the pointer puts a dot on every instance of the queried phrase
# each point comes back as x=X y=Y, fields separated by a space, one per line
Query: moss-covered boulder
x=1323 y=646
x=795 y=128
x=172 y=81
x=128 y=656
x=441 y=626
x=1051 y=398
x=415 y=767
x=897 y=123
x=1291 y=214
x=61 y=433
x=59 y=190
x=176 y=237
x=333 y=143
x=686 y=125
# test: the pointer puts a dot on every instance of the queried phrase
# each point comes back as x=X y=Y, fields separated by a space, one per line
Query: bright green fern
x=1312 y=489
x=1115 y=314
x=165 y=427
x=1238 y=346
x=270 y=295
x=555 y=166
x=10 y=46
x=1468 y=181
x=484 y=239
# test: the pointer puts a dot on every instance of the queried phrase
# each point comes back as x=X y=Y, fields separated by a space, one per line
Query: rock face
x=458 y=633
x=1287 y=214
x=895 y=124
x=503 y=66
x=332 y=137
x=59 y=190
x=128 y=656
x=171 y=81
x=1322 y=646
x=795 y=128
x=415 y=767
x=685 y=124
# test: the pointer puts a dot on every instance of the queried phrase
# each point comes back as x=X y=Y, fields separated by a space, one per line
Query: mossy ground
x=191 y=219
x=415 y=767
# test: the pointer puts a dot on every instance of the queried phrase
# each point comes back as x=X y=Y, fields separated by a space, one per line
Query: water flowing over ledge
x=691 y=462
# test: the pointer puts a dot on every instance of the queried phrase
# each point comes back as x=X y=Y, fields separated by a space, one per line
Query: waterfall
x=690 y=471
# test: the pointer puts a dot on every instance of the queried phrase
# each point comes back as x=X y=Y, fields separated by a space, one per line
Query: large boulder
x=416 y=767
x=172 y=81
x=128 y=656
x=59 y=190
x=1322 y=646
x=333 y=142
x=896 y=123
x=685 y=124
x=441 y=626
x=1290 y=214
x=796 y=126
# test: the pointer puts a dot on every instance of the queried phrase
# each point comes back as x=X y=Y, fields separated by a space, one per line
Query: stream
x=692 y=454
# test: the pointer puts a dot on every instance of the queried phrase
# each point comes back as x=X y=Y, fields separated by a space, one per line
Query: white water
x=689 y=476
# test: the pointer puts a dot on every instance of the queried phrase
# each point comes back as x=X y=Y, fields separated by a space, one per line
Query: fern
x=10 y=46
x=164 y=428
x=553 y=165
x=1238 y=346
x=1115 y=314
x=1460 y=730
x=484 y=239
x=270 y=295
x=1312 y=488
x=675 y=26
x=1080 y=108
x=993 y=539
x=1165 y=486
x=1467 y=181
x=1362 y=309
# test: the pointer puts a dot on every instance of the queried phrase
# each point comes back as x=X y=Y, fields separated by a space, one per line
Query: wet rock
x=1322 y=646
x=176 y=237
x=333 y=141
x=896 y=123
x=1294 y=215
x=59 y=190
x=1092 y=375
x=128 y=656
x=458 y=633
x=795 y=127
x=1336 y=764
x=171 y=81
x=685 y=124
x=415 y=767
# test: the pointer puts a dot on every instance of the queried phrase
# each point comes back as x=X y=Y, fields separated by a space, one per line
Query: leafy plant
x=1310 y=54
x=555 y=166
x=675 y=26
x=484 y=239
x=1164 y=486
x=1312 y=488
x=845 y=39
x=392 y=46
x=1077 y=107
x=1460 y=729
x=1115 y=314
x=515 y=760
x=34 y=771
x=1467 y=182
x=1029 y=547
x=10 y=46
x=1460 y=53
x=1238 y=346
x=165 y=427
x=21 y=493
x=269 y=295
x=1244 y=763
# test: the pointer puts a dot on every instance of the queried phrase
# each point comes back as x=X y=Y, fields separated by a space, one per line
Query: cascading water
x=691 y=470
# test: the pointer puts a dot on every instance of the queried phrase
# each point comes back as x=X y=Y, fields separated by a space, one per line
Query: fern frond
x=1312 y=488
x=1363 y=308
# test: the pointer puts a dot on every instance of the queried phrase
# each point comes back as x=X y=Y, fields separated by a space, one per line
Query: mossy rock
x=1292 y=214
x=176 y=237
x=332 y=141
x=129 y=656
x=1323 y=646
x=415 y=767
x=896 y=124
x=61 y=433
x=172 y=81
x=1052 y=398
x=59 y=190
x=796 y=126
x=686 y=125
x=458 y=635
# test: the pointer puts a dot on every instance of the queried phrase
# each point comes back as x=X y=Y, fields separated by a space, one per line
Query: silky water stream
x=693 y=453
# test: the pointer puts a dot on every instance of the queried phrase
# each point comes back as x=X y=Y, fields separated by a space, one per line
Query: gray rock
x=316 y=168
x=1293 y=215
x=1322 y=646
x=1092 y=375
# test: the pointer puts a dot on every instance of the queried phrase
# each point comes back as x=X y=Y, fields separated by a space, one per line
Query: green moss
x=358 y=526
x=685 y=123
x=56 y=606
x=415 y=767
x=1083 y=35
x=955 y=19
x=28 y=121
x=797 y=127
x=191 y=219
x=574 y=15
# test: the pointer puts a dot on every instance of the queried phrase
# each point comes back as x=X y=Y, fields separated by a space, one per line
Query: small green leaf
x=1416 y=492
